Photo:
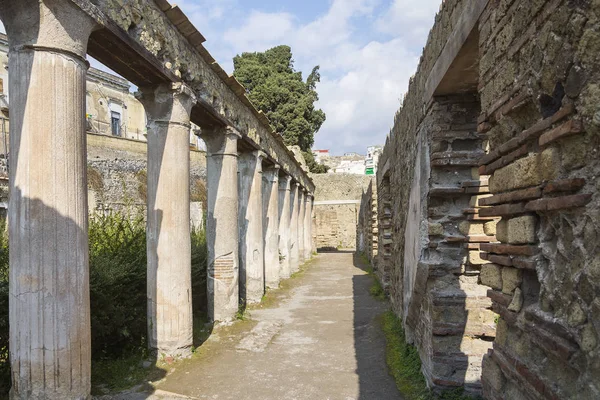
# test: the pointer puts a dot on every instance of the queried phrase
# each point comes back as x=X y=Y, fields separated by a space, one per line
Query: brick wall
x=487 y=201
x=367 y=226
x=540 y=107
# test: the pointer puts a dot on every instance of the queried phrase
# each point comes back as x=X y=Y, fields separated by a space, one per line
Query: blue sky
x=367 y=50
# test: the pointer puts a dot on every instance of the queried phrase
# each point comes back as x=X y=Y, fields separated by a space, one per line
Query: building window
x=115 y=123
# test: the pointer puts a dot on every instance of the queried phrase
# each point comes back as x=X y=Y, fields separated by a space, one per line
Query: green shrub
x=117 y=290
x=199 y=263
x=117 y=283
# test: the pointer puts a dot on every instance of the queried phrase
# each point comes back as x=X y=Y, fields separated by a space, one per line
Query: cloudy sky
x=367 y=50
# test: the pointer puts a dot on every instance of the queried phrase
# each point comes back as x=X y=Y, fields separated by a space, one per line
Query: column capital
x=274 y=168
x=56 y=26
x=221 y=141
x=253 y=158
x=271 y=173
x=258 y=154
x=168 y=103
x=226 y=131
x=285 y=182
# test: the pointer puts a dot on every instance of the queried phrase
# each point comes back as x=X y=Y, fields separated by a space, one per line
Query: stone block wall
x=336 y=209
x=117 y=174
x=367 y=226
x=445 y=309
x=487 y=201
x=539 y=74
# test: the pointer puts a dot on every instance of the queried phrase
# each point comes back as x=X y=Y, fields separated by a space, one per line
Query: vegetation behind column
x=117 y=288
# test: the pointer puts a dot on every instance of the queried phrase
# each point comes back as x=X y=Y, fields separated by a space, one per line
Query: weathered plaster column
x=285 y=202
x=313 y=227
x=49 y=306
x=222 y=231
x=271 y=225
x=301 y=208
x=169 y=281
x=294 y=212
x=252 y=263
x=308 y=227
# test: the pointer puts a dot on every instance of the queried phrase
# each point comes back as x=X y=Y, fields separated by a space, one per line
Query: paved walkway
x=321 y=339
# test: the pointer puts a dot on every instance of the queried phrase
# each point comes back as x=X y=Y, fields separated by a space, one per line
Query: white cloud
x=362 y=79
x=260 y=32
x=360 y=105
x=409 y=18
x=332 y=29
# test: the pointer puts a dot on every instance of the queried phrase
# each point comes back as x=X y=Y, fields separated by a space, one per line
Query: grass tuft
x=403 y=360
x=376 y=290
x=404 y=364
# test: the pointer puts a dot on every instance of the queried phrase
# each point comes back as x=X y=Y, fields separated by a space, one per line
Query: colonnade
x=258 y=222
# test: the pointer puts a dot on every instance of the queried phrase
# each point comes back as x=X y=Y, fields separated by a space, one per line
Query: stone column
x=271 y=226
x=169 y=283
x=49 y=307
x=313 y=228
x=284 y=227
x=222 y=231
x=301 y=207
x=294 y=211
x=308 y=227
x=252 y=263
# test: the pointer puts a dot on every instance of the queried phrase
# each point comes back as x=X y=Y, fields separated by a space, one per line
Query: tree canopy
x=278 y=90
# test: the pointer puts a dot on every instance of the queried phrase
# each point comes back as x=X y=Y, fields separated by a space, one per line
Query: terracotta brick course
x=558 y=203
x=510 y=197
x=510 y=249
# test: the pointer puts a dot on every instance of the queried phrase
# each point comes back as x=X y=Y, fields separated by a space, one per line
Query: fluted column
x=49 y=306
x=252 y=263
x=222 y=231
x=285 y=202
x=313 y=228
x=308 y=227
x=294 y=254
x=169 y=284
x=271 y=225
x=300 y=242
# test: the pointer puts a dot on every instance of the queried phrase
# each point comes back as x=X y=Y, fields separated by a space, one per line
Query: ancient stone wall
x=492 y=183
x=117 y=174
x=367 y=226
x=336 y=209
x=539 y=74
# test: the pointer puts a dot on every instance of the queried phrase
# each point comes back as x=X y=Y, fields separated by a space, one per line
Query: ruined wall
x=398 y=158
x=336 y=209
x=367 y=225
x=425 y=234
x=117 y=174
x=540 y=68
x=495 y=186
